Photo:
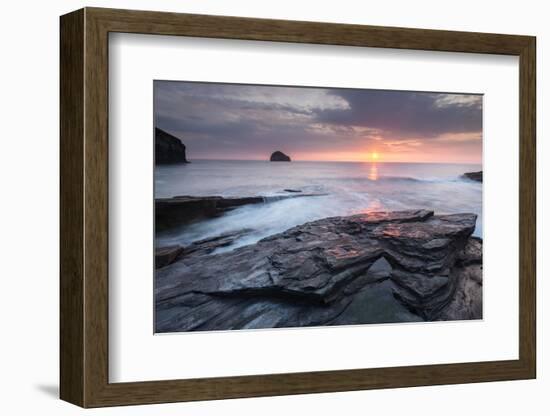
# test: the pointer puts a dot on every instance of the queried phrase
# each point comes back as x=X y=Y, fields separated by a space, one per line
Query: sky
x=249 y=122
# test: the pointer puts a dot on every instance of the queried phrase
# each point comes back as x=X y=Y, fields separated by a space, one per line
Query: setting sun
x=374 y=156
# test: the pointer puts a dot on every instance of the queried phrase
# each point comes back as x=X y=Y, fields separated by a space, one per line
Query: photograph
x=287 y=206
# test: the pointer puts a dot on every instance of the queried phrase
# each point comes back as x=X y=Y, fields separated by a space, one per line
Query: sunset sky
x=242 y=122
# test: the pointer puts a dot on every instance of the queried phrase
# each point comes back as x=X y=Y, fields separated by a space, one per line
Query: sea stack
x=168 y=148
x=279 y=156
x=474 y=176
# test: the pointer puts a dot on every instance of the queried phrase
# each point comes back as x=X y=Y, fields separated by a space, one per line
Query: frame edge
x=71 y=290
x=528 y=208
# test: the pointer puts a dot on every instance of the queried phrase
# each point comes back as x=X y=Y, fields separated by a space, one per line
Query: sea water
x=347 y=188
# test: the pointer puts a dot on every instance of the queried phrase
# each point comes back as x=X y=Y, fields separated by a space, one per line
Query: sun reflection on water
x=373 y=172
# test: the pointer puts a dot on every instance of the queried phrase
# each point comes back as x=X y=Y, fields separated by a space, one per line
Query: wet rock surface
x=381 y=267
x=167 y=255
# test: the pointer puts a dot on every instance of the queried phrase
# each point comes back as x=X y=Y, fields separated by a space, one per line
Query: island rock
x=279 y=156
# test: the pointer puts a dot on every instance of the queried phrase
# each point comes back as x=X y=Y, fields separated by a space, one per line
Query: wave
x=424 y=180
x=399 y=179
x=274 y=198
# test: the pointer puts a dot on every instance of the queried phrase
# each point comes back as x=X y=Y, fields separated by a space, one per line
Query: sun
x=374 y=156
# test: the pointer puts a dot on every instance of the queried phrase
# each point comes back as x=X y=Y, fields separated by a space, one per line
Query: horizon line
x=334 y=161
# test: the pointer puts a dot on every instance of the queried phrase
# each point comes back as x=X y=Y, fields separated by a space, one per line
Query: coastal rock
x=368 y=268
x=169 y=254
x=166 y=255
x=168 y=148
x=474 y=176
x=171 y=212
x=214 y=244
x=472 y=253
x=279 y=156
x=466 y=303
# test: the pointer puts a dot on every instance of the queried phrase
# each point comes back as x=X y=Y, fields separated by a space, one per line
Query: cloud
x=458 y=100
x=247 y=121
x=402 y=113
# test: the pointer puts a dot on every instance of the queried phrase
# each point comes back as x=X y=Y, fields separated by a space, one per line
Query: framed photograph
x=255 y=207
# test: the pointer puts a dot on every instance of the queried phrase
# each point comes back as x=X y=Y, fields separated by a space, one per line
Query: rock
x=474 y=176
x=214 y=244
x=166 y=255
x=171 y=212
x=368 y=268
x=379 y=270
x=292 y=190
x=169 y=254
x=168 y=149
x=279 y=157
x=466 y=304
x=472 y=253
x=375 y=304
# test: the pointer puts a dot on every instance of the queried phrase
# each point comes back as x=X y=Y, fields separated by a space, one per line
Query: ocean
x=347 y=187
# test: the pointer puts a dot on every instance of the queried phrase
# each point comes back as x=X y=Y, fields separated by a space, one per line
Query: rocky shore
x=170 y=212
x=380 y=267
x=474 y=176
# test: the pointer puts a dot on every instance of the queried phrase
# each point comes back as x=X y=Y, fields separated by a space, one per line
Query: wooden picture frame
x=84 y=207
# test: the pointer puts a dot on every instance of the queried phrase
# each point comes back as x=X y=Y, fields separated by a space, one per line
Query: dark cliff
x=168 y=148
